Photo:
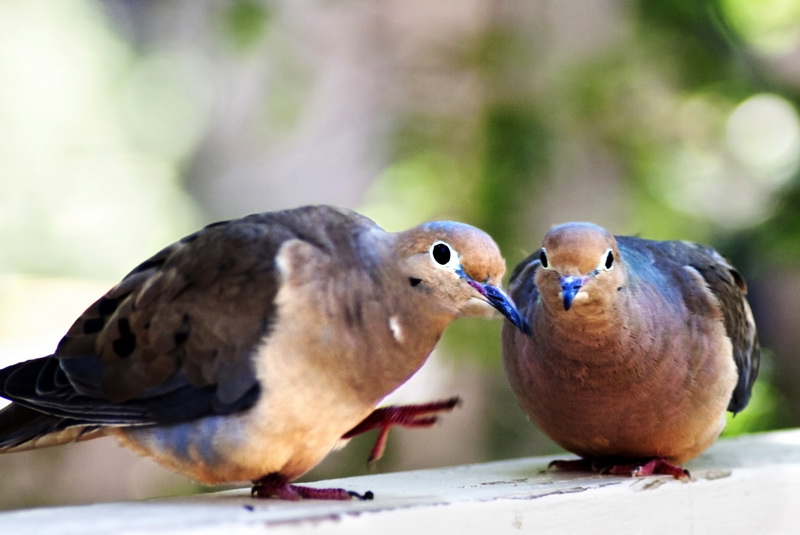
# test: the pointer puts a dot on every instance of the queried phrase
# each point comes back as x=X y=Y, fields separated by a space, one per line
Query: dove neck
x=396 y=324
x=589 y=330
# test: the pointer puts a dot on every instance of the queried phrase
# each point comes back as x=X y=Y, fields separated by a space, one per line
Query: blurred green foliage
x=124 y=122
x=244 y=22
x=661 y=104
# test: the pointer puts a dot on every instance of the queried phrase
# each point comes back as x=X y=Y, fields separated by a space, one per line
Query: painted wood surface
x=749 y=484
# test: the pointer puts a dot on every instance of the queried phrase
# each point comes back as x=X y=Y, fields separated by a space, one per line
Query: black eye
x=441 y=253
x=609 y=260
x=543 y=259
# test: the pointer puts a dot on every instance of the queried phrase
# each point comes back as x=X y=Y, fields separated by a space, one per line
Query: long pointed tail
x=23 y=429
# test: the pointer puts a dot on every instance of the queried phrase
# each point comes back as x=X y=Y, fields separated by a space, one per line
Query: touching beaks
x=570 y=286
x=503 y=304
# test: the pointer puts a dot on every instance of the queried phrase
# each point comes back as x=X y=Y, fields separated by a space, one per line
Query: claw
x=403 y=415
x=617 y=467
x=275 y=485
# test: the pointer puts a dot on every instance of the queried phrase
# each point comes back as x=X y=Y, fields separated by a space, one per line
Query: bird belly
x=228 y=449
x=637 y=435
x=657 y=411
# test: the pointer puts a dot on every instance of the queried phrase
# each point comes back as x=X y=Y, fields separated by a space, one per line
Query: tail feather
x=23 y=429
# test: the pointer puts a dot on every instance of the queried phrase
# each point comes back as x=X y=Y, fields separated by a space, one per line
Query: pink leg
x=275 y=485
x=621 y=467
x=404 y=415
x=652 y=467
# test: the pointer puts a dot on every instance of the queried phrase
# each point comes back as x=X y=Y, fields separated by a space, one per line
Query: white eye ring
x=606 y=261
x=443 y=254
x=543 y=261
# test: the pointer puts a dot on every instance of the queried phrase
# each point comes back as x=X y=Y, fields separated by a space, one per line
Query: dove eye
x=609 y=263
x=543 y=259
x=442 y=253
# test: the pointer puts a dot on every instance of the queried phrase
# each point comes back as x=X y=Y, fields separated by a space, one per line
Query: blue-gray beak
x=503 y=304
x=570 y=286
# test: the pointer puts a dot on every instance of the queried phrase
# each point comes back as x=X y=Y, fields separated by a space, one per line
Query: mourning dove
x=247 y=350
x=637 y=348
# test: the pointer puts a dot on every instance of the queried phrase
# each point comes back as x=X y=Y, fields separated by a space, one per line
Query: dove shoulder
x=174 y=339
x=708 y=285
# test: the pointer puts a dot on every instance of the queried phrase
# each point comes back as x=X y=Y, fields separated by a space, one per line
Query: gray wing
x=174 y=339
x=729 y=288
x=521 y=286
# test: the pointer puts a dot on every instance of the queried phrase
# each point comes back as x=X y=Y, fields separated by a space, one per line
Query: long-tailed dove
x=248 y=350
x=637 y=347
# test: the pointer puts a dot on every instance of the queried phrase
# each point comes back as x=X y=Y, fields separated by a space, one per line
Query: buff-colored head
x=580 y=265
x=459 y=266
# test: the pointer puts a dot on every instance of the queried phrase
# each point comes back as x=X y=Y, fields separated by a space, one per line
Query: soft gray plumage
x=246 y=350
x=637 y=347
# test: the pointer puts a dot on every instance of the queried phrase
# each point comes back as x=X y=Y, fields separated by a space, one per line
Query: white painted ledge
x=744 y=485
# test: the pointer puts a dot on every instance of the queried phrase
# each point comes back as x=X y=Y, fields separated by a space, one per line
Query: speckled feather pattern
x=251 y=346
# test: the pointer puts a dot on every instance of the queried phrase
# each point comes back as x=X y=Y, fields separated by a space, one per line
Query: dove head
x=579 y=265
x=459 y=267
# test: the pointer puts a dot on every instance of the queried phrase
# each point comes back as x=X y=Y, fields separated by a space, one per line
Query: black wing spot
x=94 y=325
x=107 y=305
x=182 y=334
x=126 y=343
x=180 y=338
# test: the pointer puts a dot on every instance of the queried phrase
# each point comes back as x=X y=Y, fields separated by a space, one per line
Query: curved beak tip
x=503 y=304
x=570 y=286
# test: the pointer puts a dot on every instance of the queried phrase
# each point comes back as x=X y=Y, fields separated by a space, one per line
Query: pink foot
x=275 y=485
x=652 y=467
x=616 y=467
x=404 y=415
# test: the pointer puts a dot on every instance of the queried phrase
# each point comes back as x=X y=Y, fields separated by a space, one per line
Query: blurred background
x=125 y=125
